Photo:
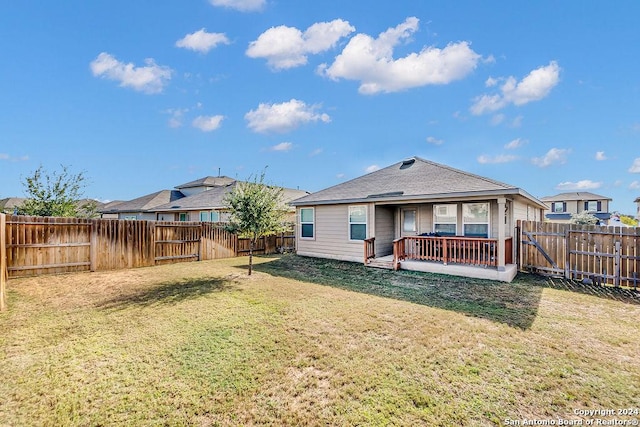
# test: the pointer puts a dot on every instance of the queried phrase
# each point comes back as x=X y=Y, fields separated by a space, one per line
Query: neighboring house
x=200 y=200
x=142 y=207
x=561 y=206
x=10 y=204
x=637 y=202
x=418 y=210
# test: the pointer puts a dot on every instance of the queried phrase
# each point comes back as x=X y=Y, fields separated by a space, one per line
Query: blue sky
x=144 y=95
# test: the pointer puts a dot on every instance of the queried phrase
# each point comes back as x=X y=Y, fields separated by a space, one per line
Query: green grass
x=310 y=342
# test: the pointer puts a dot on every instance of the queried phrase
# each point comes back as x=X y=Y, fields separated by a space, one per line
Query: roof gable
x=411 y=178
x=574 y=195
x=208 y=181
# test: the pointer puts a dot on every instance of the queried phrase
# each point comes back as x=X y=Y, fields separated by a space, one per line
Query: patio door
x=409 y=222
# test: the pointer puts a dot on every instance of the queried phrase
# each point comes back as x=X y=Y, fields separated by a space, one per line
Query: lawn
x=311 y=342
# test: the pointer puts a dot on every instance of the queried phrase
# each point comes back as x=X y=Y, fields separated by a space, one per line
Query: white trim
x=313 y=223
x=488 y=223
x=349 y=223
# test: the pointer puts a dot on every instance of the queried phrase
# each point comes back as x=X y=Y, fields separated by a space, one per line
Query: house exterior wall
x=137 y=215
x=331 y=233
x=385 y=217
x=576 y=207
x=525 y=212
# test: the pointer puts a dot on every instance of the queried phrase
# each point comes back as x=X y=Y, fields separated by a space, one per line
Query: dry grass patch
x=309 y=342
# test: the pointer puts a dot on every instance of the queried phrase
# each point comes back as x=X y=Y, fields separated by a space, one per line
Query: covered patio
x=463 y=256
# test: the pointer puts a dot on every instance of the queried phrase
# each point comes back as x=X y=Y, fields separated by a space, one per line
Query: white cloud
x=534 y=87
x=150 y=78
x=315 y=152
x=283 y=117
x=497 y=119
x=201 y=41
x=371 y=168
x=635 y=185
x=553 y=156
x=287 y=47
x=515 y=143
x=177 y=114
x=241 y=5
x=371 y=62
x=600 y=155
x=635 y=167
x=283 y=146
x=5 y=156
x=502 y=158
x=434 y=140
x=585 y=184
x=490 y=82
x=517 y=122
x=207 y=123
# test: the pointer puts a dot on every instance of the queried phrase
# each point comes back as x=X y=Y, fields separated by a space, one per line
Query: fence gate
x=606 y=255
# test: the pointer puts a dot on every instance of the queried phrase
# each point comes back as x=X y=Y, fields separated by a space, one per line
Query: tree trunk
x=251 y=255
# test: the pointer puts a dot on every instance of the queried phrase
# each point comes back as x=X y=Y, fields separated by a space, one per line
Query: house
x=562 y=205
x=637 y=202
x=10 y=205
x=417 y=215
x=199 y=200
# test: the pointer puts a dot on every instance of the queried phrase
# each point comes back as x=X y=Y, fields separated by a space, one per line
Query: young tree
x=56 y=194
x=256 y=210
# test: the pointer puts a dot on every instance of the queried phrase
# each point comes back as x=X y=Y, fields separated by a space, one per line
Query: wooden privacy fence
x=45 y=245
x=607 y=255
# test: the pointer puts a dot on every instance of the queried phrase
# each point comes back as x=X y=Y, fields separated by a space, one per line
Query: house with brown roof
x=563 y=205
x=199 y=200
x=419 y=215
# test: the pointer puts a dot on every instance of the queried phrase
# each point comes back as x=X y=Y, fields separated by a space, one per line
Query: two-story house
x=562 y=205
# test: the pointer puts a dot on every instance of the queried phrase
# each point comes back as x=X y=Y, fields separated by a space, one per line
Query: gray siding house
x=419 y=215
x=199 y=200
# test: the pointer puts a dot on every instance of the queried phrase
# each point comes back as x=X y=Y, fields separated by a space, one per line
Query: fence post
x=616 y=263
x=93 y=246
x=4 y=274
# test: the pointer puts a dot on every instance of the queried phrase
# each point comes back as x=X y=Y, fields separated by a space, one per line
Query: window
x=183 y=216
x=558 y=207
x=445 y=219
x=130 y=217
x=307 y=223
x=475 y=217
x=409 y=221
x=357 y=222
x=205 y=216
x=215 y=216
x=592 y=206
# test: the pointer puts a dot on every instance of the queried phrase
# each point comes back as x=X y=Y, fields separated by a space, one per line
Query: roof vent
x=406 y=163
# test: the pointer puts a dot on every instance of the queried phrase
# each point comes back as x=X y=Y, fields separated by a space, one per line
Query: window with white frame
x=592 y=206
x=475 y=219
x=205 y=216
x=445 y=219
x=357 y=222
x=183 y=217
x=307 y=223
x=215 y=216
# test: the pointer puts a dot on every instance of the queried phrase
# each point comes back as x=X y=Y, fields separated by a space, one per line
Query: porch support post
x=502 y=202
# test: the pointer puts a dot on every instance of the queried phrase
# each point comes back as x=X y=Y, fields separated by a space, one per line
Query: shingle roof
x=146 y=203
x=11 y=202
x=414 y=178
x=214 y=199
x=575 y=195
x=208 y=181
